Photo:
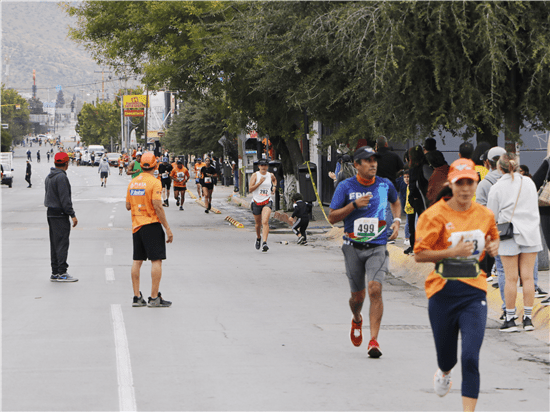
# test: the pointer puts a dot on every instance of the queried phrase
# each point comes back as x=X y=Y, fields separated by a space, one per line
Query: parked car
x=6 y=160
x=112 y=158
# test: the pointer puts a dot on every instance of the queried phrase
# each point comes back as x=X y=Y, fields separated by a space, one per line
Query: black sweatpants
x=60 y=229
x=300 y=226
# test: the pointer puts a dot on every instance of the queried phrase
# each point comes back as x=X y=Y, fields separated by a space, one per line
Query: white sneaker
x=442 y=384
x=406 y=242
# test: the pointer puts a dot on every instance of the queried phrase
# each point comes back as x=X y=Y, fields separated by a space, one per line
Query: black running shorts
x=257 y=210
x=104 y=175
x=180 y=188
x=166 y=183
x=150 y=243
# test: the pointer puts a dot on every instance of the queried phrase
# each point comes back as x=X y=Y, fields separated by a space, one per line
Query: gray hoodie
x=58 y=194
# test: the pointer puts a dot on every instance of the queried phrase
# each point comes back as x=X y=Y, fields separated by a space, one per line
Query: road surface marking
x=126 y=394
x=110 y=275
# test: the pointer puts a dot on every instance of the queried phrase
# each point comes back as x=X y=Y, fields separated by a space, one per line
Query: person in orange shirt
x=120 y=165
x=199 y=164
x=180 y=176
x=143 y=199
x=455 y=233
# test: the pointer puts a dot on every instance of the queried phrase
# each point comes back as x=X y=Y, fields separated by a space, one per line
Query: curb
x=234 y=222
x=280 y=216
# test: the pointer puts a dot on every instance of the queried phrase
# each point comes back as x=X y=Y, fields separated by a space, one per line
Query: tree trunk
x=512 y=115
x=291 y=187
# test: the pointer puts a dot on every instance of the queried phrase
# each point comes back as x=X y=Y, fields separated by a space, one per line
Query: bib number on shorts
x=477 y=237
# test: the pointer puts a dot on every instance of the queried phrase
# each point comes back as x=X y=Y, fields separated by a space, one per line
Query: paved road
x=246 y=331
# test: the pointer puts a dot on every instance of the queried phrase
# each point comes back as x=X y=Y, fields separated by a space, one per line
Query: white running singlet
x=262 y=192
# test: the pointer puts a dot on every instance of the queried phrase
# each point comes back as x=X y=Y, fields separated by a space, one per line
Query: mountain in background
x=34 y=36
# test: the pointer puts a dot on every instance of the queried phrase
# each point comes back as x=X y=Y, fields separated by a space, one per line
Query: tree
x=6 y=141
x=60 y=101
x=98 y=124
x=15 y=112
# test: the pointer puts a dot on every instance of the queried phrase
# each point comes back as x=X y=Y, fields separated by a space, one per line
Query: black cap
x=483 y=157
x=365 y=152
x=263 y=162
x=179 y=162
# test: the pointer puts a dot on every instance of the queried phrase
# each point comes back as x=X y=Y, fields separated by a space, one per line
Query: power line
x=79 y=85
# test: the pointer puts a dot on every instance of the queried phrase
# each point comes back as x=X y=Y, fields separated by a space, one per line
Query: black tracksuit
x=301 y=212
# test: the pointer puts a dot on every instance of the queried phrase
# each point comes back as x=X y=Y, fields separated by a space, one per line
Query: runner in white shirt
x=262 y=186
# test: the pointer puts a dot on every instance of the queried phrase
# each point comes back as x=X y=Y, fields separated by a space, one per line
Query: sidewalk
x=404 y=267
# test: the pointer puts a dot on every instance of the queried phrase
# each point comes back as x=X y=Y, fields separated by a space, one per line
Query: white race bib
x=165 y=175
x=365 y=227
x=207 y=179
x=477 y=237
x=264 y=193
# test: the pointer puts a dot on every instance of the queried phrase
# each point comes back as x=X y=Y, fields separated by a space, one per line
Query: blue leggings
x=459 y=307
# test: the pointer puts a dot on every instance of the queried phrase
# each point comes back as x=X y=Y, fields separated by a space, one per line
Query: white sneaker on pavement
x=442 y=383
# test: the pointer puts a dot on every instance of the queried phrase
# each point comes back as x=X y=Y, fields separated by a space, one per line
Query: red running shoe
x=356 y=334
x=374 y=349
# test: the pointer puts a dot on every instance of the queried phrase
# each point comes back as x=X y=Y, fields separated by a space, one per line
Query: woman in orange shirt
x=454 y=234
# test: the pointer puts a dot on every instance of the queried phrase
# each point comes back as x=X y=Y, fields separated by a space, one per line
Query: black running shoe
x=503 y=316
x=408 y=251
x=139 y=301
x=509 y=326
x=527 y=324
x=177 y=202
x=258 y=244
x=265 y=248
x=158 y=302
x=206 y=211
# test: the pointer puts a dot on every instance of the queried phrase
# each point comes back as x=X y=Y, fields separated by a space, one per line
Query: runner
x=262 y=186
x=180 y=176
x=120 y=165
x=165 y=169
x=104 y=171
x=208 y=174
x=134 y=168
x=454 y=234
x=360 y=202
x=143 y=198
x=198 y=166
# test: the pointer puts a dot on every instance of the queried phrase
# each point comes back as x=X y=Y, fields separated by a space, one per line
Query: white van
x=98 y=151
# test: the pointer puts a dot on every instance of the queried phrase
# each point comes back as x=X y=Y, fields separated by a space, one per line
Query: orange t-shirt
x=435 y=227
x=142 y=190
x=177 y=174
x=198 y=167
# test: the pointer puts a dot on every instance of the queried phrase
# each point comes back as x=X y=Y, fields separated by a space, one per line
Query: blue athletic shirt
x=382 y=190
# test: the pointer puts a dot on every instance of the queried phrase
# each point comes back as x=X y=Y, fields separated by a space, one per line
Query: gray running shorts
x=372 y=262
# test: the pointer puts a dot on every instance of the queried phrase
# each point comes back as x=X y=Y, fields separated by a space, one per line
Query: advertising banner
x=134 y=105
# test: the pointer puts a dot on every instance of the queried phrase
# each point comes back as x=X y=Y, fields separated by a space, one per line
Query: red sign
x=253 y=134
x=134 y=113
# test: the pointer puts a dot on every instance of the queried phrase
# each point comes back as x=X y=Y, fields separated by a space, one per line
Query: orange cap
x=148 y=160
x=462 y=169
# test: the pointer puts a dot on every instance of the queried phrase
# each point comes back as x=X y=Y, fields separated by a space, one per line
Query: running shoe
x=158 y=302
x=304 y=243
x=181 y=207
x=177 y=202
x=539 y=293
x=139 y=301
x=490 y=279
x=265 y=248
x=545 y=302
x=356 y=334
x=167 y=203
x=54 y=277
x=406 y=242
x=527 y=324
x=206 y=211
x=374 y=349
x=101 y=184
x=408 y=251
x=442 y=383
x=300 y=240
x=509 y=326
x=258 y=244
x=65 y=277
x=391 y=242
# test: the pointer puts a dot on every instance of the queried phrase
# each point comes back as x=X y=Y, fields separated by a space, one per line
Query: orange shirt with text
x=434 y=228
x=141 y=192
x=175 y=177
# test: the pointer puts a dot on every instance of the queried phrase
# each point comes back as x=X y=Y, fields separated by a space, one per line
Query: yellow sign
x=134 y=105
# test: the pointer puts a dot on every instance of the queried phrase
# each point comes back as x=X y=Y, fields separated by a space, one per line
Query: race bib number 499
x=366 y=229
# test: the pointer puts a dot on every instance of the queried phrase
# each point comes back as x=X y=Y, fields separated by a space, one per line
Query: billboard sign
x=134 y=105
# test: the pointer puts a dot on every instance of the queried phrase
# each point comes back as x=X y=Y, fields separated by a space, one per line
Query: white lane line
x=110 y=224
x=126 y=393
x=109 y=275
x=109 y=251
x=112 y=217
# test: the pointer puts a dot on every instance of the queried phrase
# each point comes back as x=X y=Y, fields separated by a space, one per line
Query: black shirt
x=301 y=210
x=211 y=171
x=165 y=169
x=389 y=164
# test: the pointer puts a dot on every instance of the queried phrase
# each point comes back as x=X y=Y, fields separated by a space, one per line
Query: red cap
x=61 y=158
x=462 y=169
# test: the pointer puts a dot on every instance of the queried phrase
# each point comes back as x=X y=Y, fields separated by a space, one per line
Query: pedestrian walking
x=143 y=199
x=235 y=171
x=104 y=171
x=92 y=158
x=48 y=156
x=262 y=186
x=454 y=234
x=361 y=202
x=208 y=175
x=28 y=173
x=60 y=212
x=180 y=176
x=38 y=156
x=438 y=179
x=29 y=156
x=301 y=218
x=513 y=199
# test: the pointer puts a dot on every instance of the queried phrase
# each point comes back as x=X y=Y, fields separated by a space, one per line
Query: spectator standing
x=144 y=200
x=28 y=173
x=345 y=171
x=134 y=168
x=419 y=175
x=466 y=150
x=60 y=210
x=389 y=162
x=429 y=144
x=48 y=156
x=402 y=188
x=29 y=156
x=104 y=171
x=438 y=179
x=235 y=171
x=514 y=199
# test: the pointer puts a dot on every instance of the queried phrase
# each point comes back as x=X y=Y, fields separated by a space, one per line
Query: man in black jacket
x=60 y=209
x=28 y=173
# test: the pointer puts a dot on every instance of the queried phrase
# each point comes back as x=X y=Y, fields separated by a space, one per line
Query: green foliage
x=17 y=119
x=60 y=100
x=98 y=124
x=6 y=141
